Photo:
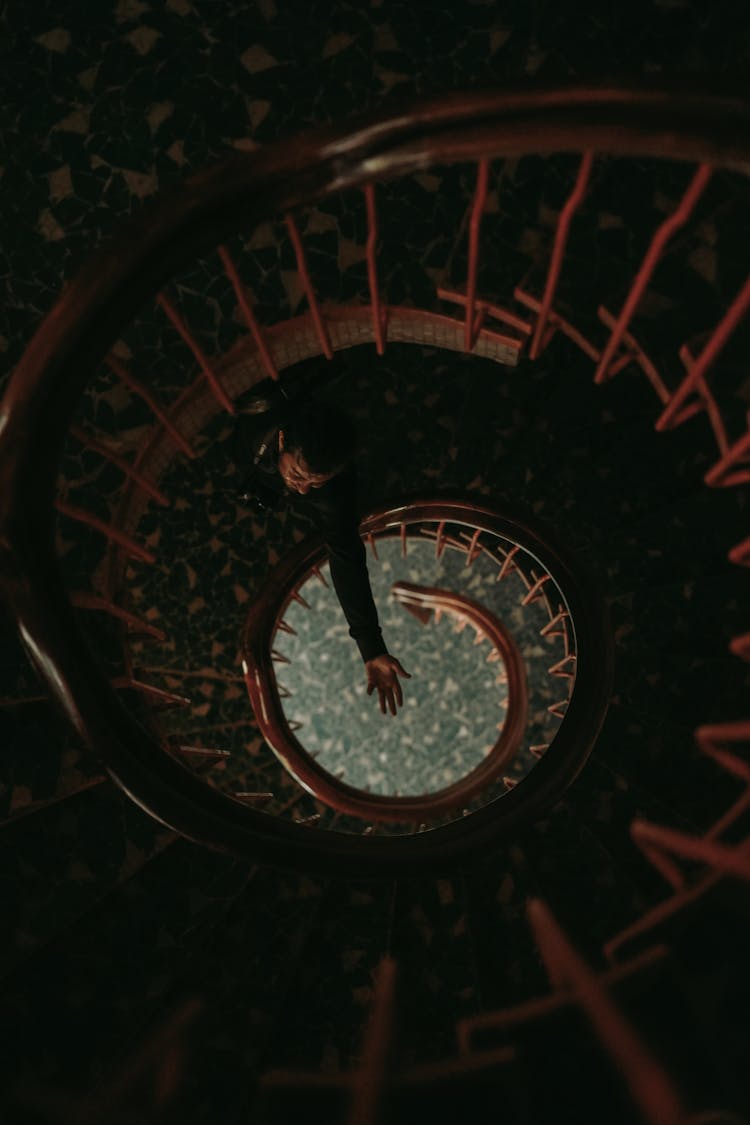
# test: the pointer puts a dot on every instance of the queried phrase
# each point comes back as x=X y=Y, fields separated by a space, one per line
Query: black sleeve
x=335 y=512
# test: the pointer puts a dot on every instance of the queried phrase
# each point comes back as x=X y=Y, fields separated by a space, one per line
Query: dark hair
x=323 y=434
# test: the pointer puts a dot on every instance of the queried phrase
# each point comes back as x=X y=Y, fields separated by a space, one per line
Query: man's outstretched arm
x=338 y=521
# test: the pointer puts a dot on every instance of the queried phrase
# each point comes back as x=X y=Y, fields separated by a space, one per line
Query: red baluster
x=312 y=300
x=662 y=236
x=691 y=384
x=558 y=251
x=480 y=197
x=219 y=392
x=650 y=1086
x=247 y=311
x=378 y=317
x=109 y=454
x=138 y=388
x=135 y=550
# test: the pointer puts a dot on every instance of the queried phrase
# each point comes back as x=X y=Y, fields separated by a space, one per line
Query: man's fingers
x=384 y=677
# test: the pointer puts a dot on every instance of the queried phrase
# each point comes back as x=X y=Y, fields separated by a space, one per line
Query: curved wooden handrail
x=38 y=408
x=274 y=725
x=565 y=756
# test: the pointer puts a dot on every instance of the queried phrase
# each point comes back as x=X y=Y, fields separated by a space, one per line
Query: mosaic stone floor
x=103 y=107
x=453 y=703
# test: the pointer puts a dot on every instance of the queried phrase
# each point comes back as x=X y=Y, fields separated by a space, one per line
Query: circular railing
x=39 y=406
x=514 y=546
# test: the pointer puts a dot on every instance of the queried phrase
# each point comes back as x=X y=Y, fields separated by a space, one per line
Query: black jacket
x=334 y=510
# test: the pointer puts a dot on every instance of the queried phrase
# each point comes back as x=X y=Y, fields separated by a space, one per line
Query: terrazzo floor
x=453 y=704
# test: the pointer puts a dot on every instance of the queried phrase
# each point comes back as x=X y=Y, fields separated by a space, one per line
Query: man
x=305 y=448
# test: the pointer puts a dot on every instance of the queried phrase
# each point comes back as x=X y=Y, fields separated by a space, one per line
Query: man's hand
x=383 y=673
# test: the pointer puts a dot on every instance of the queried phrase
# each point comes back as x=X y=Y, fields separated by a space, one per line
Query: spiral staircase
x=565 y=942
